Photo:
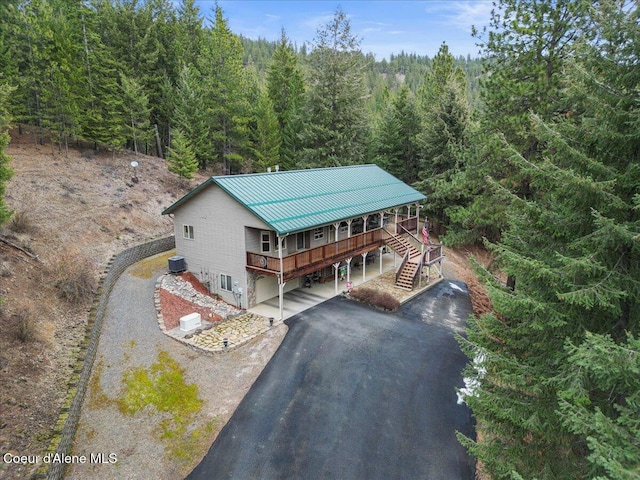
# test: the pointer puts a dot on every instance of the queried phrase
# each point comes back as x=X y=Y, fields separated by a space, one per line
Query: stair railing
x=405 y=259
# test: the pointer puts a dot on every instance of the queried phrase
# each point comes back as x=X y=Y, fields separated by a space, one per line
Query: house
x=254 y=237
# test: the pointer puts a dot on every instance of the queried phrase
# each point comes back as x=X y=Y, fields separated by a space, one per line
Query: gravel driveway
x=131 y=338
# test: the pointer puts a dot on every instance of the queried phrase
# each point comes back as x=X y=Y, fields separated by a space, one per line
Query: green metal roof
x=291 y=201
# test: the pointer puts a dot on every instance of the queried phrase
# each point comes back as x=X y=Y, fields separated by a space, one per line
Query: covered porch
x=302 y=298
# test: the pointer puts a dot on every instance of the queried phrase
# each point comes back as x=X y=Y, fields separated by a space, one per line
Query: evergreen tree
x=559 y=385
x=526 y=49
x=285 y=86
x=267 y=139
x=182 y=160
x=395 y=145
x=443 y=140
x=190 y=114
x=225 y=86
x=336 y=125
x=5 y=170
x=136 y=111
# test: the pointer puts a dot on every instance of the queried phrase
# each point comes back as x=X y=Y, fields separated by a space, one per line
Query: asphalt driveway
x=354 y=393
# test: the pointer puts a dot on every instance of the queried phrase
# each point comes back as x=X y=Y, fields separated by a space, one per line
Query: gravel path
x=131 y=338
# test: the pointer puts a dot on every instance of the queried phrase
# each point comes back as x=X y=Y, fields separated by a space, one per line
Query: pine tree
x=443 y=140
x=285 y=86
x=560 y=357
x=396 y=147
x=225 y=86
x=5 y=170
x=267 y=138
x=136 y=111
x=335 y=131
x=525 y=52
x=182 y=160
x=190 y=114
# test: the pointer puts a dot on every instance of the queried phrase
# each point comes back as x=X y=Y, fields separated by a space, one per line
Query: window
x=284 y=243
x=318 y=233
x=265 y=242
x=187 y=231
x=302 y=240
x=344 y=228
x=225 y=282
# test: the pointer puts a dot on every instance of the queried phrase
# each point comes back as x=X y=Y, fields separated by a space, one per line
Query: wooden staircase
x=409 y=268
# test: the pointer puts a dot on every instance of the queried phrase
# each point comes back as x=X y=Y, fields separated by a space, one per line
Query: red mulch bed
x=174 y=307
x=195 y=283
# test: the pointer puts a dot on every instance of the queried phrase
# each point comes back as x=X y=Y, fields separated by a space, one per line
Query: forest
x=531 y=150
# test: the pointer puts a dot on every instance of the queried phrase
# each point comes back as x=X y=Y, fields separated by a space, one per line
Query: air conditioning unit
x=177 y=264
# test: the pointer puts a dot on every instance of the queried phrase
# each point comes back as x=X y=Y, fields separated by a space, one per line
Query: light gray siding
x=218 y=246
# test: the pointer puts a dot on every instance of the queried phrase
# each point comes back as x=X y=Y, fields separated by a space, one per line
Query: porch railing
x=410 y=224
x=315 y=258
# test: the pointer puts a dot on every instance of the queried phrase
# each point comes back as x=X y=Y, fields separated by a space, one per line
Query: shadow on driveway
x=354 y=393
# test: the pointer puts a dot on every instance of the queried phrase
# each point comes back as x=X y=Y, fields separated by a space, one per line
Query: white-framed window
x=225 y=282
x=318 y=233
x=187 y=232
x=265 y=242
x=344 y=228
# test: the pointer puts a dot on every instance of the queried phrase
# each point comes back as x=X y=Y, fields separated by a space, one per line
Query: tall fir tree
x=443 y=140
x=136 y=112
x=190 y=114
x=525 y=51
x=559 y=385
x=182 y=160
x=5 y=169
x=395 y=139
x=335 y=130
x=267 y=136
x=225 y=85
x=285 y=85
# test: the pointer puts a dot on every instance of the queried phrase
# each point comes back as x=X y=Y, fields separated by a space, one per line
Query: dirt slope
x=74 y=211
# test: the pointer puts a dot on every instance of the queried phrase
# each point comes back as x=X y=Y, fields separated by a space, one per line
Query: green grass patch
x=98 y=399
x=162 y=387
x=149 y=266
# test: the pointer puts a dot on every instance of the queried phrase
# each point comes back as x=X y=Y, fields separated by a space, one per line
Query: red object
x=425 y=235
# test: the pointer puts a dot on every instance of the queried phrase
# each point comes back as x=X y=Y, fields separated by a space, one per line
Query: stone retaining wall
x=65 y=429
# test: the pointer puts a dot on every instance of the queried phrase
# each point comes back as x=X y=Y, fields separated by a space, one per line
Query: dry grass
x=74 y=278
x=147 y=267
x=21 y=222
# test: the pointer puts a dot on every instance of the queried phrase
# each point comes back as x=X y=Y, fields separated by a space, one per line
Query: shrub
x=25 y=322
x=376 y=298
x=74 y=279
x=21 y=222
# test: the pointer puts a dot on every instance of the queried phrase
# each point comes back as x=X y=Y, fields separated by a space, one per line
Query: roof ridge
x=255 y=174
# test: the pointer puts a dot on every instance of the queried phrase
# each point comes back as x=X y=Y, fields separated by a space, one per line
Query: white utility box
x=189 y=322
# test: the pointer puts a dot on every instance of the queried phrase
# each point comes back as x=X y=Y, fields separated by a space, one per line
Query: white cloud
x=462 y=15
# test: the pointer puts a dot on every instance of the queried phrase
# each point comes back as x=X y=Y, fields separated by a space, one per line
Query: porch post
x=336 y=266
x=381 y=249
x=281 y=282
x=336 y=227
x=349 y=227
x=417 y=218
x=395 y=226
x=364 y=266
x=349 y=269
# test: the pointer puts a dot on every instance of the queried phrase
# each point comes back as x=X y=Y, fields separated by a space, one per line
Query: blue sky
x=384 y=26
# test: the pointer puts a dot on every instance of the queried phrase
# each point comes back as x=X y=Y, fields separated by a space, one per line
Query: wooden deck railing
x=410 y=224
x=307 y=261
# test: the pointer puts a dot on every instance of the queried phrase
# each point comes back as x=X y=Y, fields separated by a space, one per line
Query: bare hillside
x=72 y=214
